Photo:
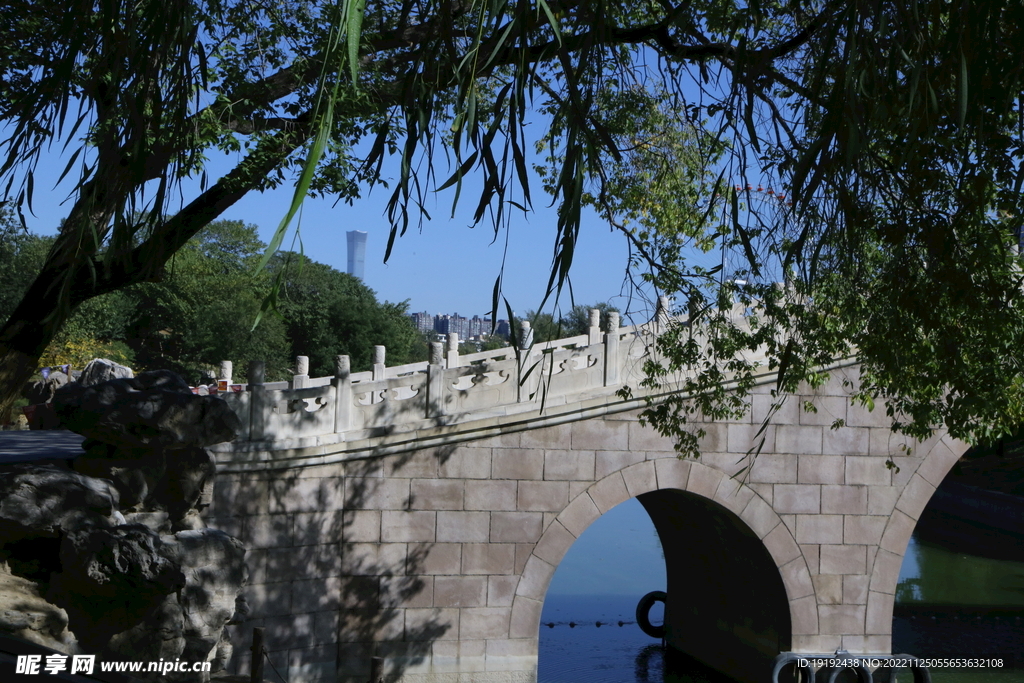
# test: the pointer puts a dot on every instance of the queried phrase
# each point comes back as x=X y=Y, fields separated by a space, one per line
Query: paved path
x=26 y=446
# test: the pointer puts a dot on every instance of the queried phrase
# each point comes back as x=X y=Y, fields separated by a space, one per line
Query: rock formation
x=107 y=553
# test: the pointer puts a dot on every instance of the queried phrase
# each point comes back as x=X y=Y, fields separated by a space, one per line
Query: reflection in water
x=935 y=575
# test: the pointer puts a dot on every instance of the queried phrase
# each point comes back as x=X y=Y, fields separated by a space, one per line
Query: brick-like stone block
x=542 y=496
x=294 y=495
x=804 y=615
x=465 y=463
x=863 y=529
x=787 y=412
x=554 y=543
x=815 y=644
x=811 y=553
x=821 y=469
x=435 y=623
x=826 y=410
x=579 y=514
x=491 y=494
x=733 y=495
x=376 y=494
x=774 y=468
x=941 y=459
x=760 y=517
x=841 y=619
x=844 y=500
x=434 y=558
x=501 y=590
x=399 y=526
x=607 y=462
x=729 y=464
x=525 y=617
x=268 y=531
x=798 y=439
x=845 y=441
x=915 y=496
x=239 y=495
x=882 y=499
x=855 y=589
x=406 y=591
x=869 y=470
x=843 y=559
x=641 y=478
x=829 y=589
x=715 y=439
x=316 y=595
x=781 y=546
x=313 y=528
x=672 y=473
x=858 y=415
x=460 y=591
x=517 y=464
x=516 y=527
x=897 y=533
x=488 y=558
x=295 y=563
x=797 y=498
x=879 y=613
x=600 y=435
x=536 y=577
x=821 y=529
x=436 y=494
x=269 y=599
x=463 y=527
x=419 y=464
x=745 y=437
x=559 y=437
x=796 y=578
x=647 y=438
x=703 y=480
x=609 y=492
x=484 y=622
x=569 y=465
x=885 y=573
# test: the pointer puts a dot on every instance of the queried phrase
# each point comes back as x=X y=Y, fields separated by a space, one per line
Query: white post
x=343 y=398
x=595 y=326
x=378 y=362
x=453 y=349
x=435 y=380
x=257 y=398
x=300 y=380
x=611 y=351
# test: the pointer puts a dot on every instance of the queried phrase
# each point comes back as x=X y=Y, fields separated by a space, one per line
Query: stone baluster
x=378 y=362
x=453 y=349
x=435 y=380
x=662 y=314
x=612 y=362
x=224 y=372
x=595 y=326
x=343 y=394
x=525 y=344
x=300 y=380
x=257 y=400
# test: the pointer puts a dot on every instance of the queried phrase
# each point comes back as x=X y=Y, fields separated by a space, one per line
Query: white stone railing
x=448 y=390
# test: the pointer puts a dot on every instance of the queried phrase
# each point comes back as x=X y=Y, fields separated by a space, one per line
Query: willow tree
x=889 y=134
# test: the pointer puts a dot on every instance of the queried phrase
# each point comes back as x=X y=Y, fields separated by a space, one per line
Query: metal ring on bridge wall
x=643 y=614
x=787 y=658
x=863 y=674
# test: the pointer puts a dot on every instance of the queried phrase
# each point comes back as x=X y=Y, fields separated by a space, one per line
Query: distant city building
x=424 y=322
x=356 y=253
x=444 y=324
x=503 y=329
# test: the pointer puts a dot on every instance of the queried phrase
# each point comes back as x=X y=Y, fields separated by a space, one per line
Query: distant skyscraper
x=356 y=253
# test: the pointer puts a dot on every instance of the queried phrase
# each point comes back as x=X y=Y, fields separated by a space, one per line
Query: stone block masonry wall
x=439 y=559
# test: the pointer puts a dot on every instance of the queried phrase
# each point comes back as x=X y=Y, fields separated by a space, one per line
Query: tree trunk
x=25 y=336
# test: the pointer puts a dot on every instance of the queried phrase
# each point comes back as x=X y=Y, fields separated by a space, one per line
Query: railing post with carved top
x=612 y=362
x=595 y=326
x=525 y=344
x=435 y=380
x=453 y=349
x=300 y=380
x=224 y=372
x=342 y=394
x=257 y=400
x=378 y=362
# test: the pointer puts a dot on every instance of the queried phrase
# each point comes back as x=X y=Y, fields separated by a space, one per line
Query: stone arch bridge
x=417 y=513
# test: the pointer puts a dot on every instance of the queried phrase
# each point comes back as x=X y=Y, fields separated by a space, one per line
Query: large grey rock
x=44 y=500
x=111 y=580
x=154 y=409
x=101 y=370
x=42 y=391
x=26 y=615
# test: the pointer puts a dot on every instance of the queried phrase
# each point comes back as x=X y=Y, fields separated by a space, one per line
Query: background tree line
x=202 y=310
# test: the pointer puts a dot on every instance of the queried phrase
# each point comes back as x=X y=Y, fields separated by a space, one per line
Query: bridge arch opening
x=728 y=605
